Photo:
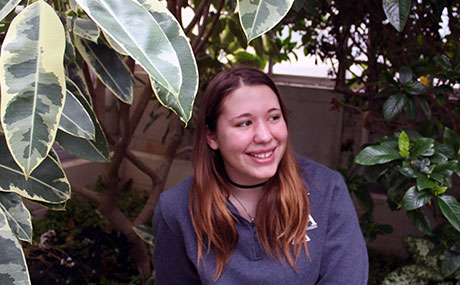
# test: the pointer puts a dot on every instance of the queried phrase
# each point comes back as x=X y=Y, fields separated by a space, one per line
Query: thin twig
x=211 y=30
x=198 y=14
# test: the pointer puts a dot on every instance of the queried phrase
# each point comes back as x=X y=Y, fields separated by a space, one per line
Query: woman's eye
x=274 y=118
x=244 y=124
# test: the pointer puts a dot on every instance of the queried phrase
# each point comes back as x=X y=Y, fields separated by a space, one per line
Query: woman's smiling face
x=251 y=134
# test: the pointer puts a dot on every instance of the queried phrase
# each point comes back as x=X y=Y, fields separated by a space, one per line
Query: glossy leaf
x=18 y=216
x=414 y=199
x=422 y=147
x=452 y=138
x=94 y=150
x=75 y=120
x=451 y=261
x=86 y=29
x=403 y=144
x=32 y=83
x=6 y=6
x=424 y=183
x=114 y=44
x=410 y=108
x=424 y=106
x=415 y=88
x=451 y=209
x=182 y=104
x=259 y=16
x=397 y=12
x=420 y=221
x=109 y=68
x=377 y=154
x=405 y=74
x=47 y=183
x=393 y=106
x=13 y=269
x=408 y=171
x=136 y=31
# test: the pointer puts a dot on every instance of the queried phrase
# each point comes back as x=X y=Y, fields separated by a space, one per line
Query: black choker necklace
x=246 y=186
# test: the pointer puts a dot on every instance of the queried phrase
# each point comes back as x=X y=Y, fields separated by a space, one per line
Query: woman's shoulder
x=174 y=201
x=316 y=171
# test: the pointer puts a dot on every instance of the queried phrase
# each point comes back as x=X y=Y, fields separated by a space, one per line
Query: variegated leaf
x=145 y=233
x=32 y=83
x=13 y=267
x=86 y=29
x=6 y=6
x=114 y=44
x=76 y=75
x=75 y=120
x=109 y=68
x=181 y=104
x=54 y=207
x=48 y=183
x=94 y=150
x=136 y=31
x=259 y=16
x=73 y=5
x=18 y=216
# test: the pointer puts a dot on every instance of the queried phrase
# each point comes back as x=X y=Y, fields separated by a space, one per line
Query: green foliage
x=418 y=178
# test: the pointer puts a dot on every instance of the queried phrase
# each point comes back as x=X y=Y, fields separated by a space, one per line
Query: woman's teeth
x=262 y=155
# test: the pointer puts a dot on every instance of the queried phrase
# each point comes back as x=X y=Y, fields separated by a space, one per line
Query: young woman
x=254 y=213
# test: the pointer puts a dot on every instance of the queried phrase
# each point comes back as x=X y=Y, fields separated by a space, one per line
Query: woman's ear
x=211 y=139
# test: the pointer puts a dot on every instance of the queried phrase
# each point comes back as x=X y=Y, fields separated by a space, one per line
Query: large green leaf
x=137 y=32
x=181 y=104
x=424 y=183
x=86 y=29
x=109 y=68
x=420 y=221
x=397 y=12
x=17 y=215
x=377 y=154
x=422 y=147
x=47 y=183
x=32 y=83
x=13 y=267
x=259 y=16
x=6 y=6
x=75 y=120
x=452 y=139
x=393 y=106
x=451 y=209
x=93 y=150
x=414 y=199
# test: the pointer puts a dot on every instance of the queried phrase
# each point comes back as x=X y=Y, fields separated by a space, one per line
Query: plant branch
x=211 y=30
x=82 y=191
x=198 y=14
x=174 y=141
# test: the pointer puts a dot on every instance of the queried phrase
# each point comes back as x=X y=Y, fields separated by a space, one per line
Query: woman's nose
x=262 y=133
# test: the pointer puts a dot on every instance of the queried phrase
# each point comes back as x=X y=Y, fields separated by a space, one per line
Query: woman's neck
x=245 y=200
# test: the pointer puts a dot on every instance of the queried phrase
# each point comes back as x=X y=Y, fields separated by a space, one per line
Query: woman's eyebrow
x=244 y=115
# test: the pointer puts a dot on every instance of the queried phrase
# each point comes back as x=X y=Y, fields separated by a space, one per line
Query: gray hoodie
x=337 y=251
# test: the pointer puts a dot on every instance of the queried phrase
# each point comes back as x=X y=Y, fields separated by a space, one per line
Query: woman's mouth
x=262 y=155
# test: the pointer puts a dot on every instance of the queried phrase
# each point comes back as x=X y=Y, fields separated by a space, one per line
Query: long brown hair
x=285 y=195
